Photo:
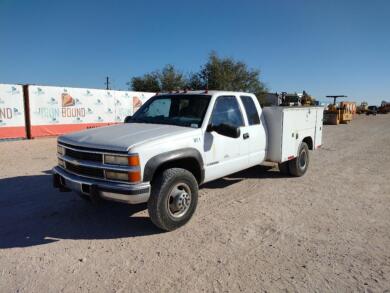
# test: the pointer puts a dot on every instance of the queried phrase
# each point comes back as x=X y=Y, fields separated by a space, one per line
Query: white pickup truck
x=176 y=142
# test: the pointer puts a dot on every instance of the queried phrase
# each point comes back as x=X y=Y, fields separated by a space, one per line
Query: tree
x=228 y=74
x=217 y=74
x=171 y=79
x=168 y=79
x=146 y=83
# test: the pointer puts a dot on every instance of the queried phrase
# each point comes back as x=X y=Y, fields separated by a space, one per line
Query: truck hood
x=123 y=136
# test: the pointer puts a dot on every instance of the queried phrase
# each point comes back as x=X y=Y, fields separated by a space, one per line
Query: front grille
x=84 y=156
x=86 y=171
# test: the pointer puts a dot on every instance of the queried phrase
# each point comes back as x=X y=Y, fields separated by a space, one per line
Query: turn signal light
x=133 y=161
x=134 y=176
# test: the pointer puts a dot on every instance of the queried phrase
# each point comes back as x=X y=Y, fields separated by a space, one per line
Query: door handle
x=245 y=135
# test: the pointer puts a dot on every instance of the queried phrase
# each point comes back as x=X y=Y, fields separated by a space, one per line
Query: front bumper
x=115 y=191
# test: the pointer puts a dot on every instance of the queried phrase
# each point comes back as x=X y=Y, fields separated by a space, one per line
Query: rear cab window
x=251 y=110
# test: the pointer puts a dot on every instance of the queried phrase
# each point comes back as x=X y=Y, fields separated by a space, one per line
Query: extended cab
x=176 y=142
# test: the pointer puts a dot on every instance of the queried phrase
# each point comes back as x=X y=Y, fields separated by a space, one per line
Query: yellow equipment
x=307 y=100
x=334 y=115
x=362 y=108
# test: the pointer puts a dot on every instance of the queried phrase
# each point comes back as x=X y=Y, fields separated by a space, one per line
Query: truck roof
x=209 y=92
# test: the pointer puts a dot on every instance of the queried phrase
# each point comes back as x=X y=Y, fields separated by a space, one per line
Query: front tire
x=299 y=165
x=173 y=198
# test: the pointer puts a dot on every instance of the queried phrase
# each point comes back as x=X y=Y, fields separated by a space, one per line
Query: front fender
x=186 y=153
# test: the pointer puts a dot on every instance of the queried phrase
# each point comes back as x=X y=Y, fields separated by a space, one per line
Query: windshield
x=182 y=110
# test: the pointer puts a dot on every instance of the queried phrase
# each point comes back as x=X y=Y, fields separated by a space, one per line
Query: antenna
x=207 y=80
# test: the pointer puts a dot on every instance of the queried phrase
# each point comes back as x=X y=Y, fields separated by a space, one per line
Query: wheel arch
x=187 y=158
x=309 y=141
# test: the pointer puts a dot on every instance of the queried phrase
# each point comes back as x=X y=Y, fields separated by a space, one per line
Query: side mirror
x=128 y=119
x=210 y=128
x=225 y=130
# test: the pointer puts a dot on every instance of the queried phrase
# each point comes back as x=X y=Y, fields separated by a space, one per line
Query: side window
x=227 y=111
x=159 y=107
x=251 y=111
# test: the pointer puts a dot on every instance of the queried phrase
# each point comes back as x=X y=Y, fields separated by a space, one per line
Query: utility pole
x=107 y=83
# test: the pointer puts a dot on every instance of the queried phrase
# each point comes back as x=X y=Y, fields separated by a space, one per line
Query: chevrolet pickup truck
x=176 y=142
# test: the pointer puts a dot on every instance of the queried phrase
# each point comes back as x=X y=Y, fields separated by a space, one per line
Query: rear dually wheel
x=299 y=165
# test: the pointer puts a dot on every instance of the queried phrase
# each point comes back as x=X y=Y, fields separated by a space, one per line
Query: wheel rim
x=303 y=159
x=179 y=200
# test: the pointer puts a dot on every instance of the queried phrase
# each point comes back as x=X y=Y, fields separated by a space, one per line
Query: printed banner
x=127 y=103
x=12 y=120
x=59 y=110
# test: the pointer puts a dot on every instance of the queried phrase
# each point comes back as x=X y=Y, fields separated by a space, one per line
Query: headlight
x=61 y=163
x=131 y=176
x=123 y=176
x=116 y=160
x=60 y=150
x=122 y=160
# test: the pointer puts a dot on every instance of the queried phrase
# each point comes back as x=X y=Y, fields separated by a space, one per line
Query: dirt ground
x=254 y=231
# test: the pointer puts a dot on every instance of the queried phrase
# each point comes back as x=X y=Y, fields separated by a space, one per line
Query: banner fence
x=57 y=110
x=12 y=113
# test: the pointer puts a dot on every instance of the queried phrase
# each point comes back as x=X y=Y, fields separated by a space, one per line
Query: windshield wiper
x=138 y=120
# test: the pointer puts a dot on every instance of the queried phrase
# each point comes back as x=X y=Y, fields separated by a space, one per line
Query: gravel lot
x=253 y=231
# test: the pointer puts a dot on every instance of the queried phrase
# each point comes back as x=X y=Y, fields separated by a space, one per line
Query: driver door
x=225 y=155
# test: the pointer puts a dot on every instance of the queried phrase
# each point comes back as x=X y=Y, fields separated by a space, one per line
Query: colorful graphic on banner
x=57 y=110
x=12 y=121
x=127 y=103
x=123 y=105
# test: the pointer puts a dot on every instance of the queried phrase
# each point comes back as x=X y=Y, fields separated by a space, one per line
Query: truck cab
x=176 y=142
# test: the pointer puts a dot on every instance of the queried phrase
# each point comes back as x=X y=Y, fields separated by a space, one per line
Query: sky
x=322 y=46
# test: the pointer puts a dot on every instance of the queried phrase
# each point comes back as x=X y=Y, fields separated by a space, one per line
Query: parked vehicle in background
x=372 y=110
x=384 y=108
x=362 y=108
x=176 y=142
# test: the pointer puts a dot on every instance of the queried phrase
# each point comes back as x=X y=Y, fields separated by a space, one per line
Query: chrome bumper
x=126 y=193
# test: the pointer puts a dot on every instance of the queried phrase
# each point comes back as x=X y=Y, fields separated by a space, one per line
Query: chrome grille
x=83 y=155
x=88 y=162
x=86 y=171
